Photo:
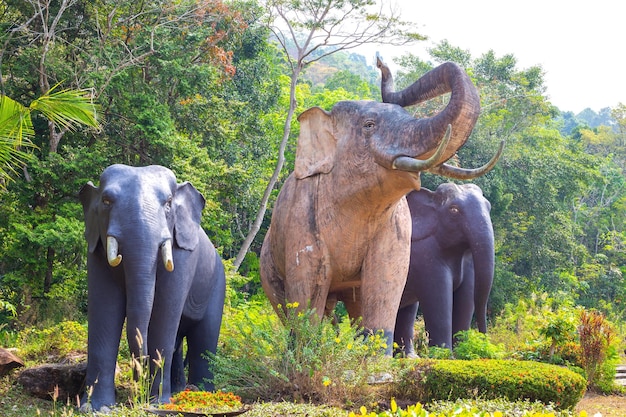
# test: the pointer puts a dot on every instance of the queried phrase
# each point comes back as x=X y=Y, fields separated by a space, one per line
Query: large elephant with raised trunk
x=452 y=264
x=149 y=262
x=341 y=227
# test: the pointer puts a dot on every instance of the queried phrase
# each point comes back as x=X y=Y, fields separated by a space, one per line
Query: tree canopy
x=208 y=88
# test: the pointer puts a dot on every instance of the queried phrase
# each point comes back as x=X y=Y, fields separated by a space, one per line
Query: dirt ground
x=606 y=405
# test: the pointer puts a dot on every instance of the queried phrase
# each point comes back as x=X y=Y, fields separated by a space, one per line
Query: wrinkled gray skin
x=144 y=208
x=452 y=264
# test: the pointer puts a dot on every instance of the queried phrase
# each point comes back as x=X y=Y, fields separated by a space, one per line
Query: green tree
x=185 y=84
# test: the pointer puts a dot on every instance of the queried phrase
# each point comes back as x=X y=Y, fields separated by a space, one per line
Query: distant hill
x=587 y=118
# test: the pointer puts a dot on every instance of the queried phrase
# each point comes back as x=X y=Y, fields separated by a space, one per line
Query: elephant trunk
x=482 y=248
x=140 y=290
x=461 y=113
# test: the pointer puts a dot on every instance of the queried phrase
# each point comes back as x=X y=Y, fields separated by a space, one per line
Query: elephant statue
x=341 y=229
x=150 y=263
x=451 y=267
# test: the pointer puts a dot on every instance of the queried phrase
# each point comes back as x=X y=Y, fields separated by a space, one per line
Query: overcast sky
x=579 y=44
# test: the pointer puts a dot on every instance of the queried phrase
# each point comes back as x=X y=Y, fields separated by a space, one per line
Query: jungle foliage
x=200 y=87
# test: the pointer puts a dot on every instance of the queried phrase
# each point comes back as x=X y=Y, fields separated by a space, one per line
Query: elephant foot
x=88 y=408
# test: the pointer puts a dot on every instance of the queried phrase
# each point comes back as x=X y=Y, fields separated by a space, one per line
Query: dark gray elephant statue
x=452 y=264
x=340 y=228
x=149 y=262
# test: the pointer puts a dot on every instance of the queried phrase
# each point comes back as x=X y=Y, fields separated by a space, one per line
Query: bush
x=54 y=343
x=490 y=379
x=598 y=353
x=475 y=345
x=468 y=408
x=305 y=359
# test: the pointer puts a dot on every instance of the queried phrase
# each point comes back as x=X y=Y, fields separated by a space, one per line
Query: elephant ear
x=187 y=205
x=315 y=153
x=423 y=213
x=88 y=196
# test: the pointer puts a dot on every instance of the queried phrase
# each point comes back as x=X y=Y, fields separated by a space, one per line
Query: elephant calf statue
x=149 y=262
x=452 y=264
x=341 y=228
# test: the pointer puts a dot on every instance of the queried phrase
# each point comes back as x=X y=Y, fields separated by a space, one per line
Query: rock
x=8 y=361
x=65 y=382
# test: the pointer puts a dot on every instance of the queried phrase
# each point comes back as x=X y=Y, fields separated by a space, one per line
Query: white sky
x=579 y=44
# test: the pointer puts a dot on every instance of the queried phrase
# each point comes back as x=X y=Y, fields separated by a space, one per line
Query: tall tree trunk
x=256 y=226
x=47 y=282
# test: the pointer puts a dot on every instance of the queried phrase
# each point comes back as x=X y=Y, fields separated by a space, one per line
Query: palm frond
x=15 y=123
x=67 y=108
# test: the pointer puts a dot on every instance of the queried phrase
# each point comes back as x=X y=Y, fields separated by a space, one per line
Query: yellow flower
x=349 y=346
x=363 y=410
x=295 y=304
x=326 y=381
x=337 y=340
x=394 y=405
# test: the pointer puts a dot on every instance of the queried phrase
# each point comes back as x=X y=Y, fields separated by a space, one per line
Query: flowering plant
x=204 y=402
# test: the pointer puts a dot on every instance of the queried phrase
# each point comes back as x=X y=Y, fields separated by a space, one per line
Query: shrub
x=307 y=358
x=468 y=408
x=598 y=354
x=490 y=379
x=475 y=345
x=53 y=343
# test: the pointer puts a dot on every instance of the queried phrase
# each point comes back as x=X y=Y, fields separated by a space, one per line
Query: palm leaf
x=16 y=130
x=15 y=122
x=67 y=108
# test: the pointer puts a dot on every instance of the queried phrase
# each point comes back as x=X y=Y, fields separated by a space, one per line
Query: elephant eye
x=168 y=203
x=369 y=124
x=454 y=210
x=106 y=201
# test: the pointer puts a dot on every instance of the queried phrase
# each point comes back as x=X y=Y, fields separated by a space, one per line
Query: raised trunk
x=461 y=112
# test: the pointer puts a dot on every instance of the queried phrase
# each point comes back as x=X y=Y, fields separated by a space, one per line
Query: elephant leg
x=436 y=306
x=271 y=280
x=463 y=303
x=163 y=330
x=202 y=338
x=404 y=331
x=383 y=278
x=179 y=380
x=106 y=313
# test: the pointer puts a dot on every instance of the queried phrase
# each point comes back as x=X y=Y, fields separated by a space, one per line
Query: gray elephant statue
x=150 y=263
x=451 y=267
x=341 y=228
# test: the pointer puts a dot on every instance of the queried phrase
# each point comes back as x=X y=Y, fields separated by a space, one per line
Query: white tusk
x=113 y=256
x=166 y=252
x=406 y=163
